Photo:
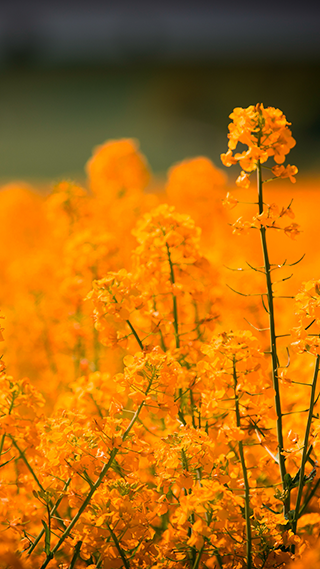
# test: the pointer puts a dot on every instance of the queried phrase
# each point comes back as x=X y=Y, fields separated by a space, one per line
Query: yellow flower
x=229 y=201
x=285 y=172
x=265 y=132
x=243 y=181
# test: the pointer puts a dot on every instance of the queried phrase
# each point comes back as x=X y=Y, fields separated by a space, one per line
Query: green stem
x=75 y=555
x=197 y=324
x=174 y=299
x=2 y=443
x=244 y=472
x=219 y=559
x=309 y=497
x=135 y=334
x=198 y=558
x=53 y=511
x=185 y=466
x=192 y=409
x=305 y=444
x=118 y=546
x=135 y=416
x=95 y=486
x=130 y=326
x=74 y=520
x=23 y=456
x=273 y=341
x=47 y=539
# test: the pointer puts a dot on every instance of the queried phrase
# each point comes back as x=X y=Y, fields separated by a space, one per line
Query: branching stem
x=118 y=546
x=53 y=511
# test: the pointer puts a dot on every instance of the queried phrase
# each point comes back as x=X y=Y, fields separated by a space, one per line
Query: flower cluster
x=266 y=134
x=271 y=217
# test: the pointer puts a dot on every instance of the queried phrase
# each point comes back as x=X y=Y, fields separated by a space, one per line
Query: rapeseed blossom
x=266 y=134
x=149 y=416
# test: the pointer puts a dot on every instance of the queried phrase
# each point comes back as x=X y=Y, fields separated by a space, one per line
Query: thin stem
x=47 y=539
x=305 y=444
x=85 y=503
x=192 y=409
x=219 y=559
x=135 y=416
x=53 y=511
x=198 y=558
x=273 y=341
x=23 y=456
x=135 y=334
x=197 y=323
x=75 y=555
x=191 y=518
x=244 y=472
x=2 y=443
x=174 y=300
x=309 y=497
x=95 y=486
x=130 y=326
x=118 y=546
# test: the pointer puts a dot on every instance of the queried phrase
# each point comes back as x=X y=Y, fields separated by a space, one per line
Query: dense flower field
x=161 y=344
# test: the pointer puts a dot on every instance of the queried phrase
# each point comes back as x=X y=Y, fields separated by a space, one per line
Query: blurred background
x=168 y=73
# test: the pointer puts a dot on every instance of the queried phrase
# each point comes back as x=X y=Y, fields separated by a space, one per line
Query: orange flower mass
x=266 y=134
x=143 y=423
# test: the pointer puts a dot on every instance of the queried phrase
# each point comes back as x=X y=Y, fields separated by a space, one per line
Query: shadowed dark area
x=76 y=74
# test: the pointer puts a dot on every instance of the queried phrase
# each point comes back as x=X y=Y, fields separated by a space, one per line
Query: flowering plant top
x=266 y=134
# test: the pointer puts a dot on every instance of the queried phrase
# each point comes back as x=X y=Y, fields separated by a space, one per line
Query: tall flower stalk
x=266 y=134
